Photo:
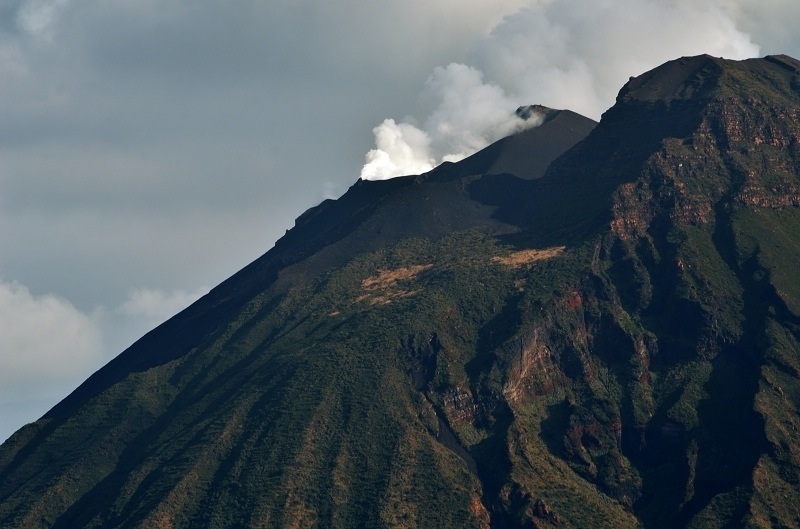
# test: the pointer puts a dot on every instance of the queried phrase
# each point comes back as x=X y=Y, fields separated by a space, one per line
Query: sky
x=151 y=148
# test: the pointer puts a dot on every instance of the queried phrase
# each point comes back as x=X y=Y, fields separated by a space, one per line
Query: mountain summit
x=582 y=325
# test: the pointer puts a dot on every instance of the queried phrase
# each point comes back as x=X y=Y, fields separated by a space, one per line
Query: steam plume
x=466 y=115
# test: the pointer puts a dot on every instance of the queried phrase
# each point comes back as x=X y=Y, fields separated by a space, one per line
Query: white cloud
x=48 y=347
x=771 y=23
x=156 y=305
x=43 y=338
x=577 y=55
x=145 y=309
x=38 y=16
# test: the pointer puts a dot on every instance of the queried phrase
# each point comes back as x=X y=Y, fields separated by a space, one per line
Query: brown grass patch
x=524 y=257
x=383 y=288
x=387 y=278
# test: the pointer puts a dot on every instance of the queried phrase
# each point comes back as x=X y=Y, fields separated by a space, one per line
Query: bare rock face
x=583 y=325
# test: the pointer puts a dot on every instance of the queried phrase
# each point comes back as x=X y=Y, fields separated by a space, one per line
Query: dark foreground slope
x=614 y=344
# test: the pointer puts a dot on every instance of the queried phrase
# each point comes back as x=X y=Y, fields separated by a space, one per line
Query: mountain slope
x=579 y=326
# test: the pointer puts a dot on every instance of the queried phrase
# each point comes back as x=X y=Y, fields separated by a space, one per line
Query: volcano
x=582 y=325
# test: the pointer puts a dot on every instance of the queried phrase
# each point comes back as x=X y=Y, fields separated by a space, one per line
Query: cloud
x=156 y=305
x=38 y=16
x=569 y=54
x=561 y=54
x=48 y=347
x=43 y=337
x=770 y=23
x=143 y=310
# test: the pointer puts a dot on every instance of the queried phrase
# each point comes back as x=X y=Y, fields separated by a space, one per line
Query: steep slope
x=568 y=329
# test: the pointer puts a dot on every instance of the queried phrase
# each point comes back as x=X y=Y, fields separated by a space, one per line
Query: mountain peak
x=697 y=77
x=540 y=112
x=682 y=78
x=527 y=154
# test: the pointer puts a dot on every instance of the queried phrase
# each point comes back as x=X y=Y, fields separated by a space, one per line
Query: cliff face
x=611 y=342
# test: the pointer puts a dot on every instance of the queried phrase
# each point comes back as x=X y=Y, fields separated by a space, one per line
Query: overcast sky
x=151 y=148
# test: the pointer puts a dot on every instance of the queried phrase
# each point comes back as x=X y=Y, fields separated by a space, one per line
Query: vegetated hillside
x=614 y=344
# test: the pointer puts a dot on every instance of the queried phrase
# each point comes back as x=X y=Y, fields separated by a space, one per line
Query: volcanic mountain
x=583 y=325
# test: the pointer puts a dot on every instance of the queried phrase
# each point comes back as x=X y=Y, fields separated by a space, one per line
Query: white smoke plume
x=557 y=53
x=401 y=149
x=466 y=114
